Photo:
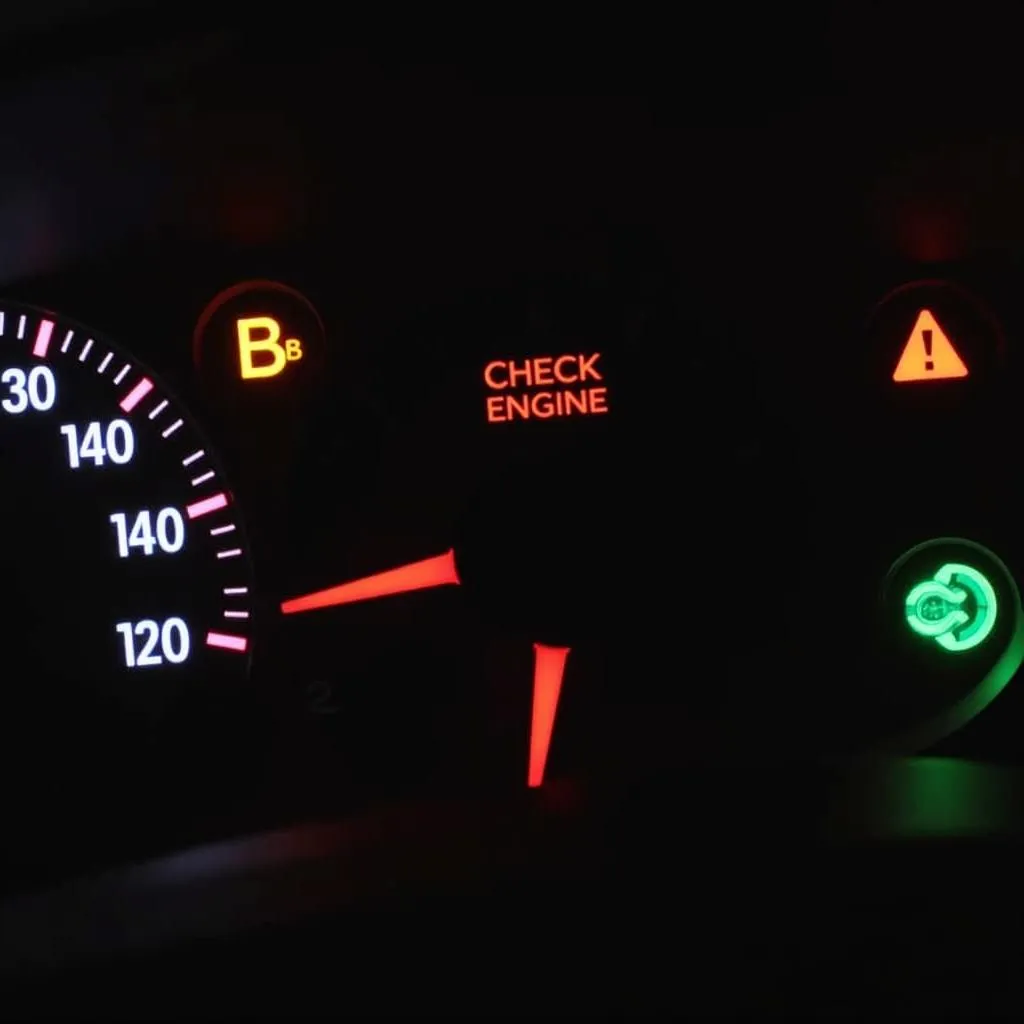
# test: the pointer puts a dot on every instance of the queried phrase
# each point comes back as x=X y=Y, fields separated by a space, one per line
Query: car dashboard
x=532 y=439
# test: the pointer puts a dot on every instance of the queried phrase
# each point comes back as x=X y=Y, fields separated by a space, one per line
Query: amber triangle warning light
x=928 y=353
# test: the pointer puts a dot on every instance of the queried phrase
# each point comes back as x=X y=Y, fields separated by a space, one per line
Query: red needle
x=430 y=572
x=548 y=670
x=549 y=662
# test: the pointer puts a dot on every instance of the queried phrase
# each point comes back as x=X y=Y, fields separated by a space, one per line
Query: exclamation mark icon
x=928 y=354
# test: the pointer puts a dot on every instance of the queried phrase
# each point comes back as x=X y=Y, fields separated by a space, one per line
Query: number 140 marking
x=138 y=532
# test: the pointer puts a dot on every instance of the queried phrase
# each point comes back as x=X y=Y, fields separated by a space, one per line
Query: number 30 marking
x=35 y=390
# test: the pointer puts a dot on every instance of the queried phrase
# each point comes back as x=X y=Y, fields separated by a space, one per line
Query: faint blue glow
x=249 y=854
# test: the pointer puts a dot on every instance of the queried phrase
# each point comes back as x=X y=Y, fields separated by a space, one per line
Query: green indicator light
x=956 y=608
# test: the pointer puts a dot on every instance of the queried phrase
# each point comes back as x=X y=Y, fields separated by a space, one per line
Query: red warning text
x=544 y=388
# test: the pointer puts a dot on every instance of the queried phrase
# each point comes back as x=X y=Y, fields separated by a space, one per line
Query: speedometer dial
x=127 y=554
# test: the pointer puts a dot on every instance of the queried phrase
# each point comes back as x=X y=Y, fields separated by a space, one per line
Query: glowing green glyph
x=956 y=608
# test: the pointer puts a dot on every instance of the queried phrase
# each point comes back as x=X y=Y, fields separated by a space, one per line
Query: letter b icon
x=260 y=337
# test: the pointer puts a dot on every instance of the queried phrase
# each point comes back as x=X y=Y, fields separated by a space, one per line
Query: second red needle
x=549 y=662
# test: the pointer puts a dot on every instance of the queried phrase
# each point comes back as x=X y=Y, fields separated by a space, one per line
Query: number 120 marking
x=171 y=639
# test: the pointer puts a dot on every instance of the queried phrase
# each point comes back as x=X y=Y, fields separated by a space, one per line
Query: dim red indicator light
x=928 y=354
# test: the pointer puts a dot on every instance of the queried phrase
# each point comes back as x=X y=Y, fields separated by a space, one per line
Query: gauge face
x=587 y=531
x=127 y=566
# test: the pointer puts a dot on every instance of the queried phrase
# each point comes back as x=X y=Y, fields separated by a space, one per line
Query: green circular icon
x=957 y=607
x=952 y=638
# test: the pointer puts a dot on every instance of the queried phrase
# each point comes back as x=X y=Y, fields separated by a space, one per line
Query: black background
x=722 y=214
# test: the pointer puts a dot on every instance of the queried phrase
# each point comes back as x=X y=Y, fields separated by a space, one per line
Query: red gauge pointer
x=430 y=572
x=439 y=571
x=548 y=670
